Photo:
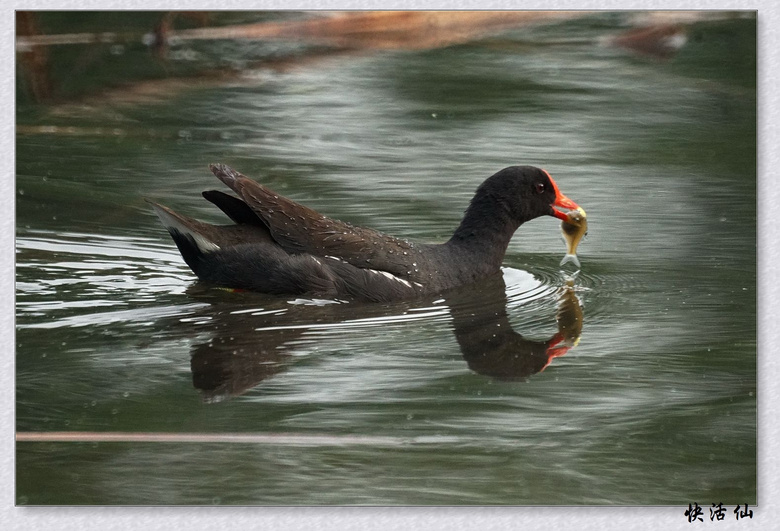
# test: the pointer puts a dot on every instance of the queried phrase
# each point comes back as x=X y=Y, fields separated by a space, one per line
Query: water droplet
x=21 y=192
x=414 y=264
x=126 y=394
x=114 y=411
x=409 y=416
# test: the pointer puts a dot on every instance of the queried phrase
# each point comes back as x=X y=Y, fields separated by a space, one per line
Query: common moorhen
x=281 y=247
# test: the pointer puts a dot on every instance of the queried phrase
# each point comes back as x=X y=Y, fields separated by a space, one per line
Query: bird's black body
x=281 y=247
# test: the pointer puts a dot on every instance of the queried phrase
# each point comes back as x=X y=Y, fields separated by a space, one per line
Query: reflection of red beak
x=561 y=201
x=553 y=350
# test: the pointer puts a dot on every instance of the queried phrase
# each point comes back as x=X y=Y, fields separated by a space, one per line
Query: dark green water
x=655 y=405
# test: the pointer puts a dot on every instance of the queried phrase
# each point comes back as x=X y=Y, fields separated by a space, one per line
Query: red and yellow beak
x=561 y=201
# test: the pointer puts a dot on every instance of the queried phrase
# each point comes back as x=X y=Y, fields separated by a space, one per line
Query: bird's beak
x=561 y=201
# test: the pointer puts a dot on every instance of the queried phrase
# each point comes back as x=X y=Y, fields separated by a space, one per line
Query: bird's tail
x=191 y=241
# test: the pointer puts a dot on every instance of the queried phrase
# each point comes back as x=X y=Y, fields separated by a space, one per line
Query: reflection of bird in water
x=280 y=247
x=491 y=347
x=238 y=357
x=234 y=361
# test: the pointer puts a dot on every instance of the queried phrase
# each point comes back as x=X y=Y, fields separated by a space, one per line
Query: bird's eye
x=539 y=188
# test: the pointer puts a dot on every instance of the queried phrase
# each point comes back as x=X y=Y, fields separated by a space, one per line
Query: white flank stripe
x=393 y=277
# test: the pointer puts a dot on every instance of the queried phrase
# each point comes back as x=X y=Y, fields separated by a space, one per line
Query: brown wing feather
x=300 y=229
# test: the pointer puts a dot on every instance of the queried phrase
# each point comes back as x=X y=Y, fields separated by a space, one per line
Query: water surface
x=387 y=404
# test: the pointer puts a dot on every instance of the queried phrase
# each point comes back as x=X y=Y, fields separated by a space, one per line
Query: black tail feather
x=234 y=207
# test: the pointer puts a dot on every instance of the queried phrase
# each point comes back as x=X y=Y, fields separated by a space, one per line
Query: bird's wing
x=300 y=229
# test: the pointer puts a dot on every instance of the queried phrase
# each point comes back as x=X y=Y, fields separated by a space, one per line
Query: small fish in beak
x=573 y=228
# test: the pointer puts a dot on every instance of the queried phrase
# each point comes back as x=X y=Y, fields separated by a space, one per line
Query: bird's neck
x=486 y=230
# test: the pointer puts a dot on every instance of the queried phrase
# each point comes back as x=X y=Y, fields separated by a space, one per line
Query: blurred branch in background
x=653 y=34
x=394 y=30
x=33 y=60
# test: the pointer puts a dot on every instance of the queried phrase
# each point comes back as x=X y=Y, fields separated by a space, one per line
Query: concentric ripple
x=76 y=280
